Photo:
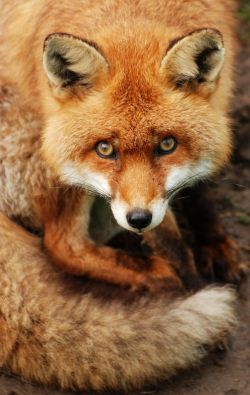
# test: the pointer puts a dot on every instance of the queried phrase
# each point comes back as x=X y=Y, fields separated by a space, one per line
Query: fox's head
x=136 y=122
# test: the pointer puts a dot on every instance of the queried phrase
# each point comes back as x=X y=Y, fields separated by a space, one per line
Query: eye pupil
x=105 y=149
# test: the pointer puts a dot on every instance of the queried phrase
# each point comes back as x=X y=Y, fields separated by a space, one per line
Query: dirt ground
x=223 y=373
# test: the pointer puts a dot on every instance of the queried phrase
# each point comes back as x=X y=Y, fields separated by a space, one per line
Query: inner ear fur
x=194 y=60
x=69 y=61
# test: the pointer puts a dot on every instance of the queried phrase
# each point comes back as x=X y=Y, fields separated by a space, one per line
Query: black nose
x=139 y=218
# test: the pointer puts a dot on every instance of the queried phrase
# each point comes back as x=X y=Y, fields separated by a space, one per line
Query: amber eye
x=167 y=145
x=105 y=150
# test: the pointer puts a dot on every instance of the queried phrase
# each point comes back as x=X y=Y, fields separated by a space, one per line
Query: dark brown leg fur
x=217 y=255
x=166 y=242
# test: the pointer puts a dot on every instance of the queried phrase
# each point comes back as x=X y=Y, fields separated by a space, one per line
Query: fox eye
x=167 y=146
x=105 y=150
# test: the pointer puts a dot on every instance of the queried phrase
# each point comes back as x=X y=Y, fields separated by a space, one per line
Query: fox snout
x=136 y=202
x=139 y=219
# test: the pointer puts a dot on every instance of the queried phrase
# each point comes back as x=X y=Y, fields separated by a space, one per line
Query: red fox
x=133 y=98
x=129 y=101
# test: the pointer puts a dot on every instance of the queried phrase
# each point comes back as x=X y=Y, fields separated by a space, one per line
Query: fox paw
x=159 y=277
x=220 y=261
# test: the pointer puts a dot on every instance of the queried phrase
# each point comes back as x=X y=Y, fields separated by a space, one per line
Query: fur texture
x=75 y=332
x=131 y=75
x=79 y=334
x=57 y=330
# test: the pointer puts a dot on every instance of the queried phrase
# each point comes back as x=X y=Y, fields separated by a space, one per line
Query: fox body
x=63 y=330
x=80 y=334
x=105 y=77
x=132 y=98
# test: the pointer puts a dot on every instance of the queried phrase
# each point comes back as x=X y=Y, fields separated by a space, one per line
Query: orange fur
x=59 y=330
x=130 y=101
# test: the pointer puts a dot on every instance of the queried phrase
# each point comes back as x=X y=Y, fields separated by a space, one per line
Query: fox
x=128 y=101
x=76 y=333
x=133 y=100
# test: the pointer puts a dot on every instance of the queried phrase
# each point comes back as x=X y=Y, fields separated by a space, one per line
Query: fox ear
x=195 y=60
x=70 y=62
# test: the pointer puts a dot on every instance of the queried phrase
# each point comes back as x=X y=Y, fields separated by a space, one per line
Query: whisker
x=228 y=179
x=93 y=191
x=183 y=197
x=171 y=192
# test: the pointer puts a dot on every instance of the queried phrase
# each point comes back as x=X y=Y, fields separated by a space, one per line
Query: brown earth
x=223 y=373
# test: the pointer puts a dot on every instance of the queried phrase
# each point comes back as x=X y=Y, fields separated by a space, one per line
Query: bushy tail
x=57 y=331
x=126 y=347
x=98 y=346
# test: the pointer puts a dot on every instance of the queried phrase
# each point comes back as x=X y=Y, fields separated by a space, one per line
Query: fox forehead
x=103 y=116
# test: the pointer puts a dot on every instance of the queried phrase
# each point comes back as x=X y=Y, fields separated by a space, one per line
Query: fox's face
x=135 y=127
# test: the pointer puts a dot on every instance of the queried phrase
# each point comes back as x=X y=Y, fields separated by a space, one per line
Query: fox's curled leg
x=67 y=242
x=167 y=242
x=218 y=255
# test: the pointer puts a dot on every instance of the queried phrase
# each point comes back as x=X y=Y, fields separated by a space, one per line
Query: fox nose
x=139 y=218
